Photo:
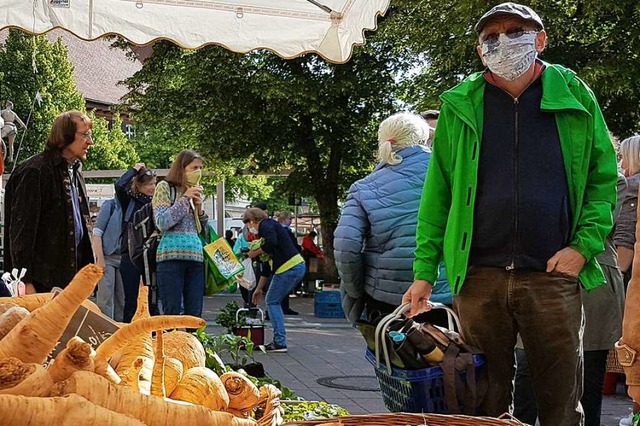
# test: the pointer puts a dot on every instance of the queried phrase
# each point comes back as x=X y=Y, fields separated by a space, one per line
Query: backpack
x=143 y=238
x=112 y=232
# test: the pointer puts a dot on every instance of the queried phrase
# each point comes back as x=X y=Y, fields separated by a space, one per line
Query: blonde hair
x=399 y=131
x=630 y=153
x=254 y=215
x=283 y=216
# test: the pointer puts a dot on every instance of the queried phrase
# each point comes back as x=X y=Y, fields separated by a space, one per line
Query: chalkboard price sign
x=91 y=326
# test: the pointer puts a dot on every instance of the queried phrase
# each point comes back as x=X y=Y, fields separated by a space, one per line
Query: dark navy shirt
x=522 y=215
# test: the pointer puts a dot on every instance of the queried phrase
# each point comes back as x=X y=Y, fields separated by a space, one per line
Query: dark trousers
x=131 y=284
x=181 y=282
x=546 y=309
x=595 y=365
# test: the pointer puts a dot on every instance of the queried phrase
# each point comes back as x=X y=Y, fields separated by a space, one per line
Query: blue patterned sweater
x=176 y=221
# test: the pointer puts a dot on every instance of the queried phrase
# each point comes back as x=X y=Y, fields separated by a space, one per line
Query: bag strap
x=397 y=314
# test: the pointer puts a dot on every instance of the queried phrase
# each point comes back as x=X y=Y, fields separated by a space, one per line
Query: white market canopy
x=290 y=28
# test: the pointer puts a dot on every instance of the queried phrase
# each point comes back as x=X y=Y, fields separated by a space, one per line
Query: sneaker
x=272 y=347
x=290 y=312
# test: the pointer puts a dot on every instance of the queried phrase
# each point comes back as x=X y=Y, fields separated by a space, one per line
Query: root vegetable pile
x=124 y=381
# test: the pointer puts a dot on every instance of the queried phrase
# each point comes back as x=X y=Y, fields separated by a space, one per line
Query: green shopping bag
x=220 y=264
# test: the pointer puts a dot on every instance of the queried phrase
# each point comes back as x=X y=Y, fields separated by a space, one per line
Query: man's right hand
x=418 y=295
x=100 y=262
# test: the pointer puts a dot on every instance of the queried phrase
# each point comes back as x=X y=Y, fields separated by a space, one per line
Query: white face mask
x=253 y=231
x=511 y=55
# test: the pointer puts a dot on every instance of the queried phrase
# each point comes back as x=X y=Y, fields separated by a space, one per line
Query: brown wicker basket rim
x=411 y=419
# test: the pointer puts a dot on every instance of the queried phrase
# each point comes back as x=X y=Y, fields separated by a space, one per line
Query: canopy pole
x=321 y=6
x=220 y=208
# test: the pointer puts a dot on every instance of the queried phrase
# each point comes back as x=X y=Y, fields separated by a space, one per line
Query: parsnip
x=150 y=410
x=78 y=355
x=132 y=376
x=142 y=347
x=199 y=385
x=173 y=372
x=4 y=307
x=243 y=394
x=128 y=333
x=186 y=348
x=31 y=302
x=72 y=410
x=35 y=336
x=157 y=378
x=18 y=378
x=11 y=318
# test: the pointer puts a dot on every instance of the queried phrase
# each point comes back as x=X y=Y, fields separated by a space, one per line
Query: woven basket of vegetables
x=131 y=378
x=410 y=419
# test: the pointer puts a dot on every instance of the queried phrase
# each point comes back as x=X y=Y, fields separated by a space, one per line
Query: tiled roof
x=98 y=67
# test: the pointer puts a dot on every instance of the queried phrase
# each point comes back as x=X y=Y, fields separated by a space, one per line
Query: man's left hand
x=566 y=261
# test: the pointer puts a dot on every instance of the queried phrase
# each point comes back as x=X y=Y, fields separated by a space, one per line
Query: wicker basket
x=406 y=419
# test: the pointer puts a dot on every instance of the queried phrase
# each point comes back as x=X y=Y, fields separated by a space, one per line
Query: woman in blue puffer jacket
x=375 y=237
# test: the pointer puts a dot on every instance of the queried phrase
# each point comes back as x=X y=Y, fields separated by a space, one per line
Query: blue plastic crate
x=414 y=391
x=327 y=304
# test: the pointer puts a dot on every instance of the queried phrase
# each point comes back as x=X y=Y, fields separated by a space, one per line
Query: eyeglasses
x=511 y=33
x=86 y=136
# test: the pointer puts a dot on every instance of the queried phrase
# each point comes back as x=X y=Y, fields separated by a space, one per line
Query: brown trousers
x=495 y=305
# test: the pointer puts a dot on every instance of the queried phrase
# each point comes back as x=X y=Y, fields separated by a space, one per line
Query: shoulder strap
x=172 y=192
x=128 y=215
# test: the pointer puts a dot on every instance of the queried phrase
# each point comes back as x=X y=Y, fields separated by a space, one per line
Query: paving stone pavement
x=320 y=348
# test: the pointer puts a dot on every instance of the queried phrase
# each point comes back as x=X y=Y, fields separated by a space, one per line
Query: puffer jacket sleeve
x=348 y=245
x=625 y=231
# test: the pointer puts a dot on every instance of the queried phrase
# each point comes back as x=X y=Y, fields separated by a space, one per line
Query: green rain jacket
x=445 y=217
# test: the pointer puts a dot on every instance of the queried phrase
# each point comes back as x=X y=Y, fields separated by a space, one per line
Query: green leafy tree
x=600 y=40
x=111 y=149
x=53 y=78
x=303 y=113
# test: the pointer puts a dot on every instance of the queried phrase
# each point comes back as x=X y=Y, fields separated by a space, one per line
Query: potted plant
x=239 y=348
x=240 y=322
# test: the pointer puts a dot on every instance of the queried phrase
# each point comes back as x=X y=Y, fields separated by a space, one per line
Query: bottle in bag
x=426 y=347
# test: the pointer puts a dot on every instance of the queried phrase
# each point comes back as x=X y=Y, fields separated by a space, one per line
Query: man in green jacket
x=518 y=201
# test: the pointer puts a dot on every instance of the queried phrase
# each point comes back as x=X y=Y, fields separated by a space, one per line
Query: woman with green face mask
x=180 y=272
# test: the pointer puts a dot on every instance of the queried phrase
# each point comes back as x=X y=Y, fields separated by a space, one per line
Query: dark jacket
x=39 y=232
x=125 y=197
x=277 y=242
x=521 y=216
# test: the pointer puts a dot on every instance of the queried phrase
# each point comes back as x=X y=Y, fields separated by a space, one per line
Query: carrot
x=78 y=355
x=31 y=302
x=202 y=386
x=157 y=378
x=243 y=394
x=35 y=336
x=18 y=378
x=186 y=348
x=11 y=318
x=72 y=410
x=151 y=410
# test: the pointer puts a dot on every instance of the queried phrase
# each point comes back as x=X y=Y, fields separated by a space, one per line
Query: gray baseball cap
x=510 y=9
